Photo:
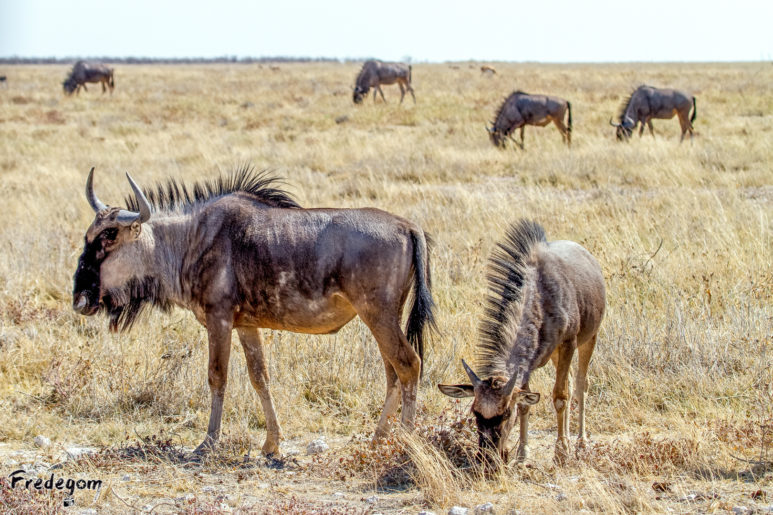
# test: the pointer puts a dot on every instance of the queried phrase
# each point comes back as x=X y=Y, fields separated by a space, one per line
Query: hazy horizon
x=553 y=31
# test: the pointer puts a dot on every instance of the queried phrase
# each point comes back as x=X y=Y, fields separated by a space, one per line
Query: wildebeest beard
x=125 y=304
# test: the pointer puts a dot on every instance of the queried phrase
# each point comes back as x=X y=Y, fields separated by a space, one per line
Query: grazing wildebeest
x=375 y=73
x=241 y=254
x=83 y=72
x=487 y=70
x=646 y=103
x=545 y=300
x=4 y=80
x=521 y=109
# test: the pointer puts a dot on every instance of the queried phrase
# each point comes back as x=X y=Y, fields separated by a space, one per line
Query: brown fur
x=546 y=300
x=521 y=109
x=242 y=255
x=83 y=72
x=375 y=73
x=647 y=103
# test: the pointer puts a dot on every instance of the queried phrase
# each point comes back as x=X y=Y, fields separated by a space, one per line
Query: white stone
x=371 y=500
x=42 y=441
x=740 y=510
x=77 y=452
x=560 y=497
x=317 y=446
x=425 y=512
x=458 y=510
x=88 y=511
x=338 y=495
x=126 y=477
x=484 y=508
x=208 y=489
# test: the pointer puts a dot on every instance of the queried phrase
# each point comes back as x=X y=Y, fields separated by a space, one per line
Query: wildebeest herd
x=241 y=254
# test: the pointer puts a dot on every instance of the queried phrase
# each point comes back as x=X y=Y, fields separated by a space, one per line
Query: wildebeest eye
x=110 y=234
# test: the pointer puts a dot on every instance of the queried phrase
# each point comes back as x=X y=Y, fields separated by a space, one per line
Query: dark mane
x=173 y=195
x=626 y=102
x=504 y=103
x=362 y=70
x=507 y=270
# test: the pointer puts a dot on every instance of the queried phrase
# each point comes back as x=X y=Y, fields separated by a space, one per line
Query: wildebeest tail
x=410 y=74
x=694 y=110
x=421 y=314
x=569 y=120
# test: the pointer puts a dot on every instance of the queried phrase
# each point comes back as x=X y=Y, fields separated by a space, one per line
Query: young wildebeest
x=241 y=254
x=647 y=103
x=521 y=109
x=545 y=300
x=375 y=73
x=83 y=72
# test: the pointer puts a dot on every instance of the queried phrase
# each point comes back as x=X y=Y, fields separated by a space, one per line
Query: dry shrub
x=29 y=501
x=643 y=455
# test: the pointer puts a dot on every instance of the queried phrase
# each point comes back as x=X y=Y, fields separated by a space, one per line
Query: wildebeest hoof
x=204 y=448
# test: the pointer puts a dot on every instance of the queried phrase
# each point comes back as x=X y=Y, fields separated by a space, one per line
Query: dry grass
x=681 y=380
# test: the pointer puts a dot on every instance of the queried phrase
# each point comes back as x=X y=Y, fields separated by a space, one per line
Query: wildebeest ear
x=527 y=398
x=458 y=391
x=136 y=229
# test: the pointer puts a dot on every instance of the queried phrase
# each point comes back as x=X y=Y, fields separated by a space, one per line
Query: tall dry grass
x=681 y=378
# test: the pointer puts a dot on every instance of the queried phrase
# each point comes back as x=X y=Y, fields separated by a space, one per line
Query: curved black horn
x=94 y=202
x=508 y=388
x=613 y=124
x=144 y=214
x=473 y=378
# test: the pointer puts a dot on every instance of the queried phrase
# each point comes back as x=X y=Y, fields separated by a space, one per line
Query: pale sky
x=448 y=30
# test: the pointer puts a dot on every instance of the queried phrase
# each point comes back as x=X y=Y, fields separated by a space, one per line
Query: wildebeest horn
x=473 y=378
x=94 y=202
x=129 y=217
x=508 y=388
x=613 y=124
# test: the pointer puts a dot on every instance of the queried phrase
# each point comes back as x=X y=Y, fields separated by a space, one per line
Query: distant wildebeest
x=646 y=103
x=4 y=80
x=375 y=73
x=487 y=70
x=83 y=72
x=521 y=109
x=242 y=254
x=545 y=300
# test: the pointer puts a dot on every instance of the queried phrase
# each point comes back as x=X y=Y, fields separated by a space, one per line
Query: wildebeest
x=242 y=254
x=487 y=70
x=4 y=80
x=545 y=300
x=521 y=109
x=375 y=73
x=646 y=103
x=83 y=72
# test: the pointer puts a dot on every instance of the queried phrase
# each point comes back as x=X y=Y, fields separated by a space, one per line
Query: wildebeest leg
x=563 y=130
x=652 y=130
x=104 y=89
x=522 y=127
x=685 y=124
x=378 y=88
x=523 y=420
x=391 y=402
x=402 y=91
x=641 y=128
x=581 y=387
x=256 y=365
x=394 y=347
x=219 y=331
x=84 y=87
x=562 y=397
x=410 y=89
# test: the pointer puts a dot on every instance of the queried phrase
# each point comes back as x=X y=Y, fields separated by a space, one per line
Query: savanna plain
x=680 y=404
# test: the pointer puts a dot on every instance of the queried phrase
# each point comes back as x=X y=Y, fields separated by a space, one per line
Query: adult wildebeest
x=241 y=254
x=487 y=70
x=83 y=72
x=521 y=109
x=545 y=300
x=375 y=73
x=646 y=103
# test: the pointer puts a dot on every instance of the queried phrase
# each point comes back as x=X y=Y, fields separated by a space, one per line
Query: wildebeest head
x=492 y=408
x=70 y=85
x=624 y=129
x=112 y=231
x=497 y=136
x=359 y=94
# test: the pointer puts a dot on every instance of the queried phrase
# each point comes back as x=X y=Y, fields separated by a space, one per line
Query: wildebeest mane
x=362 y=71
x=174 y=195
x=505 y=102
x=626 y=102
x=507 y=271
